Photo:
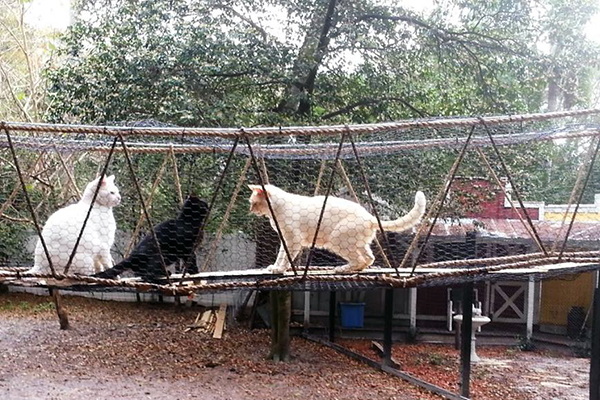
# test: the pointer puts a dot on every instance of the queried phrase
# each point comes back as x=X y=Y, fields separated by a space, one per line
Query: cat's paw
x=347 y=269
x=276 y=269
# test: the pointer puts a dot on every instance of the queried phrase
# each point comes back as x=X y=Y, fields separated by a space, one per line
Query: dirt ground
x=140 y=351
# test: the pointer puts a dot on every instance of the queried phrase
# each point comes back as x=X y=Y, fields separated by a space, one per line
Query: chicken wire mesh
x=497 y=201
x=496 y=194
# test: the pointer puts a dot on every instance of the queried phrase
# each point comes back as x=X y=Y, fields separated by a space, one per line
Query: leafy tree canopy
x=274 y=62
x=252 y=62
x=25 y=50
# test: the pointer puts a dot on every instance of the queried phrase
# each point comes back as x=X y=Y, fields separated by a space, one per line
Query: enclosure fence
x=519 y=161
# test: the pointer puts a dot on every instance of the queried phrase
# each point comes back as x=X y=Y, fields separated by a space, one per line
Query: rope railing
x=211 y=140
x=308 y=151
x=421 y=277
x=295 y=130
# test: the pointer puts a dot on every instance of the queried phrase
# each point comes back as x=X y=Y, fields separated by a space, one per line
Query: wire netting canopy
x=508 y=197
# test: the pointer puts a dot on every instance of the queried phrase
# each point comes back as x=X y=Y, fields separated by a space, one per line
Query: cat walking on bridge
x=347 y=228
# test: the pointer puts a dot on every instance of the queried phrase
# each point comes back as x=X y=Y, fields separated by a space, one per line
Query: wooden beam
x=595 y=356
x=378 y=347
x=220 y=324
x=390 y=370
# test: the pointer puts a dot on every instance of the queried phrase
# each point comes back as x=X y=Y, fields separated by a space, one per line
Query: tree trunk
x=296 y=99
x=281 y=311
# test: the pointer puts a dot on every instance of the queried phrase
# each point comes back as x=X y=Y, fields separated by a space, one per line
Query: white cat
x=347 y=229
x=62 y=230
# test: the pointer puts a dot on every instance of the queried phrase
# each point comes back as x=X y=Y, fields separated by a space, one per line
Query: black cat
x=176 y=238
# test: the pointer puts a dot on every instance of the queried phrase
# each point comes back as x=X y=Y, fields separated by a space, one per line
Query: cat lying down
x=176 y=238
x=347 y=228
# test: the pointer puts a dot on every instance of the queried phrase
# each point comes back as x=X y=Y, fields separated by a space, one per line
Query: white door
x=508 y=302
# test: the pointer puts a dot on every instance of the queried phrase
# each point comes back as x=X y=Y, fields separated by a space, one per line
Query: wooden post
x=281 y=311
x=332 y=307
x=465 y=348
x=387 y=327
x=63 y=317
x=595 y=358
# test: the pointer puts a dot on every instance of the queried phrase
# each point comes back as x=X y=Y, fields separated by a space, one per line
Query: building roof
x=495 y=228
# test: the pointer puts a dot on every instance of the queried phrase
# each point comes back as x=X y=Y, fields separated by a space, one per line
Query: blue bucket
x=353 y=315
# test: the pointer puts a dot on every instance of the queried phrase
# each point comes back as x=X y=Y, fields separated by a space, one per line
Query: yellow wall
x=582 y=217
x=559 y=295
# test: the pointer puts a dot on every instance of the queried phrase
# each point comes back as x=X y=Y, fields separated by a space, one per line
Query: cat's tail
x=115 y=271
x=409 y=220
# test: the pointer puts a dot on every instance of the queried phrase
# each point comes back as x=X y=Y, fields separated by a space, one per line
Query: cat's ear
x=256 y=189
x=107 y=179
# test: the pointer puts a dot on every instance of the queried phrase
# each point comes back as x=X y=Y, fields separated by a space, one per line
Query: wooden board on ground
x=204 y=322
x=220 y=324
x=379 y=348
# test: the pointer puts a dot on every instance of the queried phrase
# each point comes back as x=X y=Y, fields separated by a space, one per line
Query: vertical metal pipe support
x=595 y=358
x=332 y=307
x=306 y=324
x=387 y=326
x=530 y=308
x=465 y=348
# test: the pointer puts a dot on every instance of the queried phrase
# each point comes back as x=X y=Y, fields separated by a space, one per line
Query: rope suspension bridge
x=386 y=139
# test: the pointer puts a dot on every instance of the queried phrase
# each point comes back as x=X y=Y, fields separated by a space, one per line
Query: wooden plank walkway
x=321 y=278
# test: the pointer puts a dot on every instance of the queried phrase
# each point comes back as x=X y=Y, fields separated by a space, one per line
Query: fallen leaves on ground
x=130 y=350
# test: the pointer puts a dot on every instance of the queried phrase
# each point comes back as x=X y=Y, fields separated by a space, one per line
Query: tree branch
x=447 y=35
x=307 y=63
x=14 y=95
x=373 y=102
x=15 y=219
x=265 y=35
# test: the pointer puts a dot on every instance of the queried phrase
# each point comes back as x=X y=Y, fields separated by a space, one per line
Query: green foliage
x=25 y=306
x=299 y=62
x=210 y=63
x=13 y=238
x=175 y=62
x=525 y=344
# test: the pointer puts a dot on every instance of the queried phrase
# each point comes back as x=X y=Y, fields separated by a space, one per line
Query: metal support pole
x=306 y=310
x=465 y=348
x=530 y=308
x=412 y=312
x=595 y=359
x=387 y=326
x=332 y=306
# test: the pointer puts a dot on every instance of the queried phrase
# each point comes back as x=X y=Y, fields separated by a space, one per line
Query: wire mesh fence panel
x=173 y=200
x=510 y=203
